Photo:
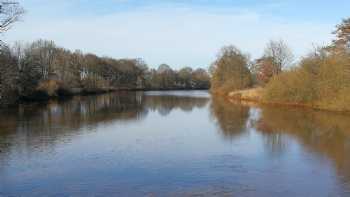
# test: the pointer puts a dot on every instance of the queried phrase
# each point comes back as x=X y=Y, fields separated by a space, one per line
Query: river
x=171 y=143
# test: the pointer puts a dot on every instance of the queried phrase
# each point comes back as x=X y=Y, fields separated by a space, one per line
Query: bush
x=294 y=86
x=320 y=80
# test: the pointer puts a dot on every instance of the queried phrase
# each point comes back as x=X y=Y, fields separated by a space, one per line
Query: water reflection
x=172 y=143
x=231 y=117
x=39 y=126
x=164 y=104
x=323 y=133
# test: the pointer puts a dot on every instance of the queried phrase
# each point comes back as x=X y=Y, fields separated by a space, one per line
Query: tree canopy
x=230 y=71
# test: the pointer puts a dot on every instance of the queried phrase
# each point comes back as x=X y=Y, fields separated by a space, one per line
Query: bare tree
x=10 y=12
x=280 y=54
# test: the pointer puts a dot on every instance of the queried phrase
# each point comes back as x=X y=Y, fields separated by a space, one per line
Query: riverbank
x=40 y=95
x=255 y=95
x=57 y=90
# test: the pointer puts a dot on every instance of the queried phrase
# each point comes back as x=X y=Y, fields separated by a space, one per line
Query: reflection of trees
x=276 y=143
x=41 y=126
x=321 y=132
x=165 y=104
x=231 y=117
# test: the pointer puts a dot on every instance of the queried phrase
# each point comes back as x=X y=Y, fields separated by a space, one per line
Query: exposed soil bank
x=255 y=95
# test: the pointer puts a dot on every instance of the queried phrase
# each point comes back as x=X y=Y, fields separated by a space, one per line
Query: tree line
x=320 y=79
x=234 y=70
x=41 y=69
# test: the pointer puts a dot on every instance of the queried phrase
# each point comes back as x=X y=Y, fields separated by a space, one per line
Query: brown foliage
x=322 y=81
x=230 y=71
x=265 y=70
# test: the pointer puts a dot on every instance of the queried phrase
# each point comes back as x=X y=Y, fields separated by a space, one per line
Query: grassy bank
x=258 y=96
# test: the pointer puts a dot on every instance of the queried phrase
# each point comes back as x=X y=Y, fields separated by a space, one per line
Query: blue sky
x=180 y=33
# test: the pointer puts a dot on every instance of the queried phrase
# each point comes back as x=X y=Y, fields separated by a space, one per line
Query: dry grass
x=253 y=94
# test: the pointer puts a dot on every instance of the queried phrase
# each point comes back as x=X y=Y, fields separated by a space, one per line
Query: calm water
x=171 y=144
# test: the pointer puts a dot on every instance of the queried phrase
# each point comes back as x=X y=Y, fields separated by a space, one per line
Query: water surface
x=176 y=143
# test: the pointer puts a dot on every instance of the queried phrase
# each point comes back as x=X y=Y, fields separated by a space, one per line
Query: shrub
x=320 y=80
x=294 y=86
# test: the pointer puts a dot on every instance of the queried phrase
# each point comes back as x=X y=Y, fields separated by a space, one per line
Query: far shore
x=42 y=95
